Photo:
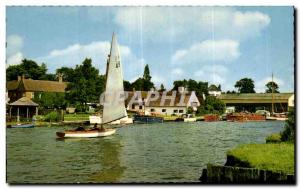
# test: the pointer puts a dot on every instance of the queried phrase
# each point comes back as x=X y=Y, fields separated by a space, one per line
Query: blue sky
x=216 y=44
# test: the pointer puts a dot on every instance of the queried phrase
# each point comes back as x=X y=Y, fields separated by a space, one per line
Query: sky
x=220 y=45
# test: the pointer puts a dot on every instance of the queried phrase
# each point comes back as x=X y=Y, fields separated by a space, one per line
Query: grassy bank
x=76 y=117
x=272 y=156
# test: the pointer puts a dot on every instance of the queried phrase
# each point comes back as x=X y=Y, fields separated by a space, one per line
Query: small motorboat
x=85 y=133
x=29 y=125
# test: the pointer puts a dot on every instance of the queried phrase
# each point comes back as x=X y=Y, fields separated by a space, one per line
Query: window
x=152 y=110
x=140 y=107
x=175 y=111
x=132 y=106
x=163 y=110
x=180 y=111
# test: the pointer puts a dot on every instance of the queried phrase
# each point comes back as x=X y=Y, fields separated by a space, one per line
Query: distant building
x=27 y=87
x=254 y=101
x=213 y=90
x=168 y=107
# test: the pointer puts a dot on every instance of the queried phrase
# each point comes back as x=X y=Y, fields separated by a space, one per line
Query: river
x=167 y=152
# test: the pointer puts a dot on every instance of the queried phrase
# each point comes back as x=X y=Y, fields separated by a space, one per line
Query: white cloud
x=157 y=80
x=166 y=22
x=222 y=50
x=260 y=85
x=177 y=71
x=98 y=51
x=13 y=50
x=215 y=74
x=14 y=59
x=14 y=44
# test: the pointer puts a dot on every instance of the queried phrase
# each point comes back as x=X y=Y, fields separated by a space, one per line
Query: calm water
x=168 y=152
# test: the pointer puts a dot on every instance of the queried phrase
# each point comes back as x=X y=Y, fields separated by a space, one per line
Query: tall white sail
x=114 y=104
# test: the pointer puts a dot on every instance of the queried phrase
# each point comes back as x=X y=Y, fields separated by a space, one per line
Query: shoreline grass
x=277 y=157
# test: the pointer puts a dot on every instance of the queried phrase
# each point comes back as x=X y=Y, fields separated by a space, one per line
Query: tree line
x=86 y=84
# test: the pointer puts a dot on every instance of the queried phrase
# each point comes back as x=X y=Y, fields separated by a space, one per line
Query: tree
x=162 y=88
x=29 y=68
x=87 y=85
x=50 y=99
x=288 y=133
x=245 y=85
x=179 y=83
x=67 y=73
x=144 y=83
x=127 y=85
x=272 y=85
x=146 y=75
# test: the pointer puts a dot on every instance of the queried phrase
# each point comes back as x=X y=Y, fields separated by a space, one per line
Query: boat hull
x=147 y=119
x=22 y=126
x=85 y=134
x=192 y=119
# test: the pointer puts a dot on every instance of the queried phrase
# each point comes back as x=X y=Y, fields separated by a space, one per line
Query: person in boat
x=95 y=127
x=80 y=128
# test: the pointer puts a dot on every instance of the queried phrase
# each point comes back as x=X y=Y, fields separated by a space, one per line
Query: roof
x=37 y=85
x=24 y=101
x=255 y=97
x=156 y=103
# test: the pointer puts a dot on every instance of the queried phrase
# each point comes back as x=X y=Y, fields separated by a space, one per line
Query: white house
x=167 y=103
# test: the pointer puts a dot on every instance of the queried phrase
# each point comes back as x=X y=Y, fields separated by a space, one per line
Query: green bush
x=52 y=116
x=289 y=130
x=273 y=138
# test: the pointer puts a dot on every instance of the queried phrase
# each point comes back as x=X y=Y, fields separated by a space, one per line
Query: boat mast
x=272 y=94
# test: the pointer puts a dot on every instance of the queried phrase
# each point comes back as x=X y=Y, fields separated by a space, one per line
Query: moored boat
x=211 y=117
x=29 y=125
x=147 y=119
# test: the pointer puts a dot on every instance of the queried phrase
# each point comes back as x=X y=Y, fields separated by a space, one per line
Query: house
x=168 y=103
x=213 y=90
x=254 y=101
x=23 y=87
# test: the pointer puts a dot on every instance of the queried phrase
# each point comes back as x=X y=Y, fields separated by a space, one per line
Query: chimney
x=133 y=89
x=181 y=89
x=60 y=78
x=19 y=78
x=23 y=76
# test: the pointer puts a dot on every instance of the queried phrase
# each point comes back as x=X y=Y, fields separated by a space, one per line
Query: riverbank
x=259 y=163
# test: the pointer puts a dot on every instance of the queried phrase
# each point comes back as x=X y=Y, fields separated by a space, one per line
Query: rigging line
x=141 y=38
x=214 y=45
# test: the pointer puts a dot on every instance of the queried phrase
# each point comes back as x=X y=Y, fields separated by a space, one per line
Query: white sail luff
x=114 y=106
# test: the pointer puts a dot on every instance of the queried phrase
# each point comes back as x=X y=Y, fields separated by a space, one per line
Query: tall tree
x=245 y=85
x=87 y=85
x=29 y=68
x=162 y=88
x=147 y=75
x=67 y=73
x=127 y=85
x=179 y=83
x=272 y=86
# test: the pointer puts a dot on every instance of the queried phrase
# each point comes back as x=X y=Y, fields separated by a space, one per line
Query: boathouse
x=178 y=106
x=281 y=102
x=28 y=87
x=24 y=107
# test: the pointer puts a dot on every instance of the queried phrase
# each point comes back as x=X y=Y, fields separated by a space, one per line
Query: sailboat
x=276 y=116
x=113 y=105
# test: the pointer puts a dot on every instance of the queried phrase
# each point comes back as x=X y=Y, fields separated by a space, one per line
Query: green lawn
x=76 y=117
x=272 y=156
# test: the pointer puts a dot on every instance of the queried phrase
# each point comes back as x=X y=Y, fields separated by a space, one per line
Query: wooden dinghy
x=85 y=133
